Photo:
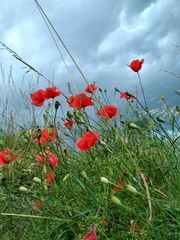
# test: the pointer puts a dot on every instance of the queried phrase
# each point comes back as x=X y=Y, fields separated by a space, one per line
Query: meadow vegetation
x=78 y=175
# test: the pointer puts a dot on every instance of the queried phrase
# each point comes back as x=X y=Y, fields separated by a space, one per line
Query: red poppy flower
x=87 y=141
x=47 y=135
x=91 y=235
x=136 y=65
x=38 y=98
x=51 y=159
x=37 y=204
x=7 y=156
x=80 y=101
x=107 y=112
x=68 y=124
x=124 y=95
x=52 y=92
x=91 y=88
x=50 y=176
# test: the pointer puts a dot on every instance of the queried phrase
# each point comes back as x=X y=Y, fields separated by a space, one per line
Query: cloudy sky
x=103 y=36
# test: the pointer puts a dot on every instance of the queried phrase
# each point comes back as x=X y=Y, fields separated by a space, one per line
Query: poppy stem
x=142 y=90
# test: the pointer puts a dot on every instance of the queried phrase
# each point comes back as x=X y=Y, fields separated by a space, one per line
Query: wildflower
x=80 y=101
x=52 y=92
x=51 y=159
x=136 y=65
x=68 y=124
x=107 y=112
x=87 y=141
x=91 y=88
x=47 y=135
x=37 y=204
x=92 y=234
x=38 y=98
x=7 y=156
x=50 y=176
x=124 y=95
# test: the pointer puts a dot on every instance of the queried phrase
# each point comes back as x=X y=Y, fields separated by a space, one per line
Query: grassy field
x=91 y=171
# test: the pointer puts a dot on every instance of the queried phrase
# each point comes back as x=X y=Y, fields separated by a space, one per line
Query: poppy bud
x=133 y=126
x=84 y=175
x=37 y=180
x=27 y=135
x=116 y=89
x=104 y=180
x=162 y=96
x=177 y=108
x=130 y=188
x=66 y=177
x=56 y=105
x=160 y=119
x=129 y=94
x=89 y=129
x=116 y=201
x=23 y=189
x=105 y=90
x=102 y=143
x=69 y=114
x=76 y=115
x=25 y=140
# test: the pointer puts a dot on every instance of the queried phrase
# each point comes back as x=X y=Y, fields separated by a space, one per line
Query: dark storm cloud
x=103 y=36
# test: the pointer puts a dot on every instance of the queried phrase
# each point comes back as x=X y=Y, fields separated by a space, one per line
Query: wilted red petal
x=136 y=65
x=50 y=176
x=117 y=187
x=135 y=227
x=91 y=88
x=37 y=204
x=91 y=235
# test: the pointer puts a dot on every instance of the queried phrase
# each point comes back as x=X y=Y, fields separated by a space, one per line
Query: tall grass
x=127 y=183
